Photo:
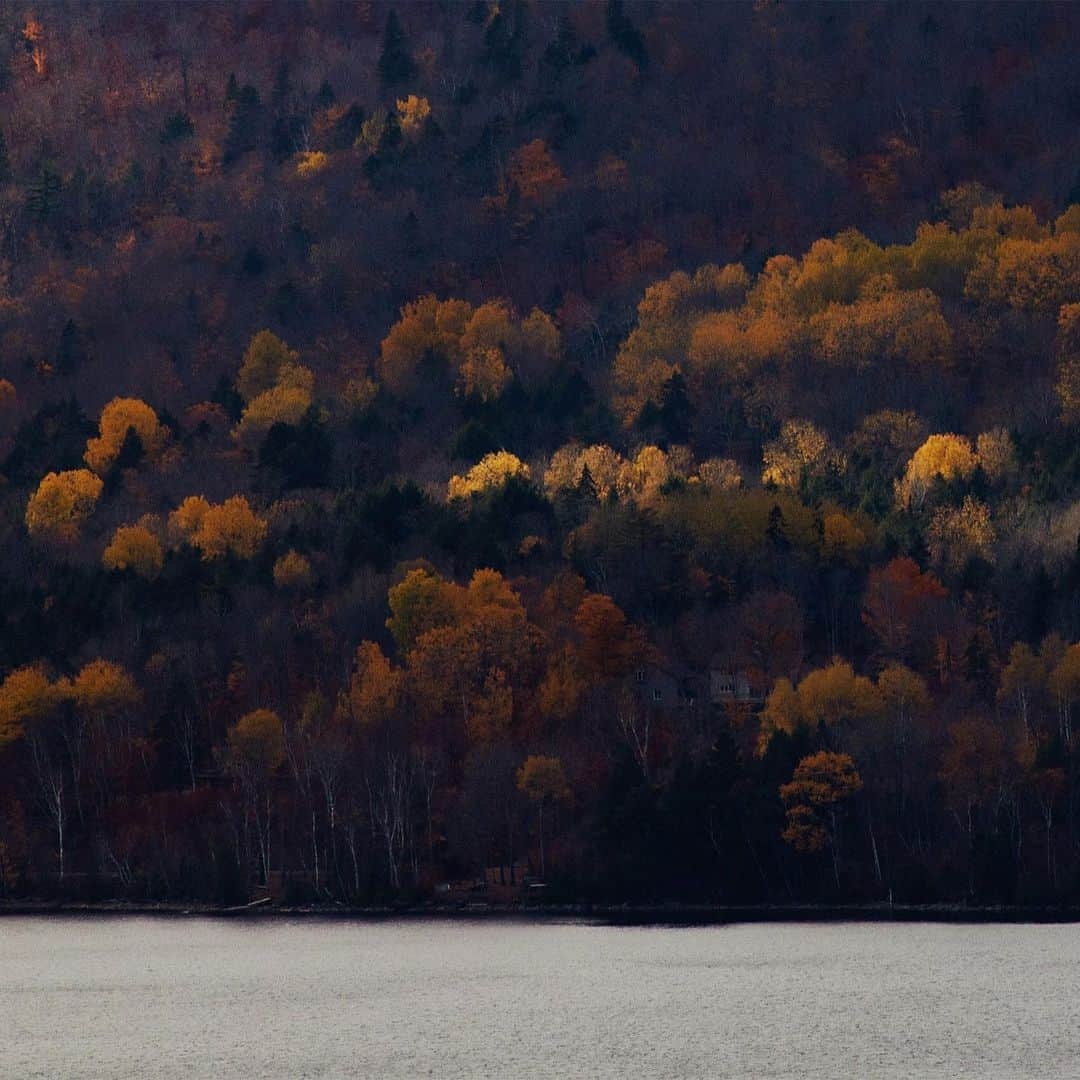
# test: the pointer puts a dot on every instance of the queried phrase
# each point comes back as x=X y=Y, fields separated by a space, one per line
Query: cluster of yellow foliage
x=135 y=548
x=957 y=534
x=278 y=389
x=264 y=358
x=293 y=571
x=62 y=503
x=231 y=527
x=884 y=324
x=642 y=478
x=310 y=162
x=802 y=449
x=667 y=315
x=1068 y=345
x=491 y=472
x=285 y=402
x=821 y=782
x=374 y=688
x=117 y=418
x=484 y=347
x=835 y=697
x=1039 y=271
x=27 y=695
x=256 y=744
x=848 y=302
x=413 y=113
x=830 y=696
x=720 y=474
x=464 y=648
x=569 y=464
x=944 y=457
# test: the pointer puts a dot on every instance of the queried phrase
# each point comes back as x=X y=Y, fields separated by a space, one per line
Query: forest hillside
x=451 y=448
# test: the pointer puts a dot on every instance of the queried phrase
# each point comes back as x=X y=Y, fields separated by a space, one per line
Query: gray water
x=162 y=998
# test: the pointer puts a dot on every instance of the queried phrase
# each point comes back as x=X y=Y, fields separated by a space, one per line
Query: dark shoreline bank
x=613 y=915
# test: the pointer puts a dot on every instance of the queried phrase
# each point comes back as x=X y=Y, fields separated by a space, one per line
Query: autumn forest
x=510 y=451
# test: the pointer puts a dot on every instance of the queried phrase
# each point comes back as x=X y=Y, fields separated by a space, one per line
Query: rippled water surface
x=162 y=998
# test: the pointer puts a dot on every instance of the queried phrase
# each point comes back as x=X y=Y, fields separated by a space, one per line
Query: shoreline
x=605 y=914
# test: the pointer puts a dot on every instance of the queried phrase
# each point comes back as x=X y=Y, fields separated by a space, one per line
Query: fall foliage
x=463 y=442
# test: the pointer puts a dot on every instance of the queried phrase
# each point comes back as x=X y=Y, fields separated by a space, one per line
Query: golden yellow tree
x=428 y=329
x=26 y=694
x=62 y=503
x=264 y=358
x=103 y=687
x=285 y=402
x=375 y=686
x=821 y=784
x=543 y=781
x=231 y=527
x=413 y=113
x=802 y=449
x=945 y=457
x=292 y=571
x=119 y=417
x=957 y=534
x=493 y=471
x=135 y=548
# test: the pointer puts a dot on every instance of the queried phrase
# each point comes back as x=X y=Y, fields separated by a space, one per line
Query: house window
x=641 y=675
x=657 y=695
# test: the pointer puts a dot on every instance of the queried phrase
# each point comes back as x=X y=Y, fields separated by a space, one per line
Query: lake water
x=161 y=998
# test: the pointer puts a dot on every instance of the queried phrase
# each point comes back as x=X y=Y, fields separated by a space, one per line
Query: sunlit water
x=161 y=998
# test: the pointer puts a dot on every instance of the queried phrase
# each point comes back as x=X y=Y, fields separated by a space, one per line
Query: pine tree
x=625 y=35
x=43 y=199
x=396 y=64
x=70 y=352
x=243 y=124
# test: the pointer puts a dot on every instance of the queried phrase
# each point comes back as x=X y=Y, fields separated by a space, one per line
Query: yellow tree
x=957 y=534
x=543 y=781
x=493 y=471
x=375 y=686
x=231 y=527
x=828 y=699
x=420 y=602
x=134 y=548
x=801 y=449
x=62 y=503
x=255 y=750
x=292 y=571
x=1023 y=681
x=413 y=113
x=25 y=695
x=28 y=702
x=119 y=417
x=822 y=783
x=428 y=329
x=264 y=358
x=945 y=457
x=285 y=402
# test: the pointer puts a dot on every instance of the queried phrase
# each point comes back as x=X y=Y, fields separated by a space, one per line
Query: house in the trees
x=731 y=685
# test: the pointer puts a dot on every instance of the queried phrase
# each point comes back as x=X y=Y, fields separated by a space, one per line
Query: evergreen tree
x=396 y=64
x=43 y=199
x=625 y=36
x=504 y=40
x=243 y=124
x=70 y=352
